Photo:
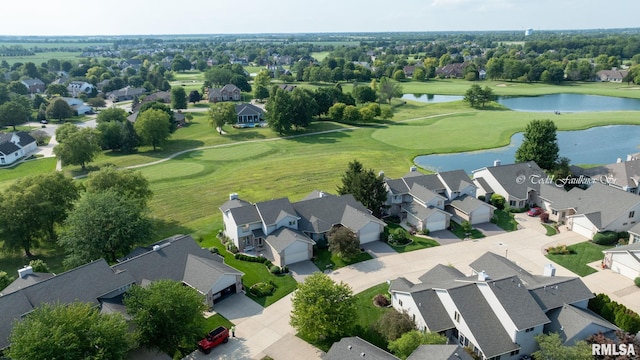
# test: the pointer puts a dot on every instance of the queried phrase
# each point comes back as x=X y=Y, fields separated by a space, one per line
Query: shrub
x=637 y=281
x=381 y=300
x=399 y=236
x=544 y=217
x=605 y=238
x=268 y=264
x=285 y=269
x=482 y=198
x=559 y=250
x=232 y=248
x=498 y=201
x=262 y=289
x=214 y=250
x=275 y=270
x=384 y=236
x=466 y=226
x=616 y=313
x=393 y=324
x=424 y=232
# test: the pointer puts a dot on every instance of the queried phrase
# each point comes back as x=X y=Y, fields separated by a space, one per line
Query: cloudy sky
x=142 y=17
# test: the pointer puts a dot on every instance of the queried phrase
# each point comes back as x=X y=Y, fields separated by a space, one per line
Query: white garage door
x=369 y=233
x=437 y=225
x=295 y=257
x=582 y=230
x=481 y=215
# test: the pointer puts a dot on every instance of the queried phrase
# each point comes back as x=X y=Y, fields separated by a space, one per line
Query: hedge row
x=274 y=269
x=615 y=313
x=609 y=237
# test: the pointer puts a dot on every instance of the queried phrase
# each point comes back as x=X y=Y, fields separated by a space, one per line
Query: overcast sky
x=142 y=17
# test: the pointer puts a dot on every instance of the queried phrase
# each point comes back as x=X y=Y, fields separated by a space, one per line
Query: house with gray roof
x=622 y=175
x=34 y=86
x=624 y=260
x=228 y=92
x=499 y=308
x=177 y=258
x=16 y=145
x=249 y=115
x=428 y=201
x=439 y=352
x=517 y=183
x=285 y=232
x=126 y=93
x=355 y=348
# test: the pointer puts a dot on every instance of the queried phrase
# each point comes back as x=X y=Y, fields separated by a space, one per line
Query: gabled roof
x=483 y=184
x=421 y=212
x=397 y=186
x=283 y=237
x=559 y=291
x=248 y=109
x=467 y=204
x=517 y=302
x=8 y=147
x=439 y=352
x=432 y=310
x=456 y=180
x=25 y=138
x=623 y=174
x=431 y=181
x=234 y=203
x=569 y=321
x=245 y=214
x=32 y=82
x=27 y=280
x=275 y=210
x=423 y=194
x=441 y=273
x=624 y=248
x=318 y=215
x=13 y=306
x=354 y=348
x=506 y=175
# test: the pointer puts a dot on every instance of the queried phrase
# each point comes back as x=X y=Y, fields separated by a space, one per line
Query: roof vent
x=362 y=354
x=233 y=196
x=482 y=276
x=381 y=173
x=497 y=162
x=25 y=271
x=413 y=169
x=157 y=247
x=349 y=347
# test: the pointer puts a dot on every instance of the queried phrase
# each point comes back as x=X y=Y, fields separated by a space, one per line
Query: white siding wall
x=409 y=306
x=527 y=341
x=231 y=229
x=500 y=312
x=451 y=308
x=624 y=222
x=493 y=183
x=625 y=264
x=284 y=222
x=481 y=215
x=437 y=221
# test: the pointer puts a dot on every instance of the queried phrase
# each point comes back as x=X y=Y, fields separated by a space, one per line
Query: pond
x=599 y=145
x=546 y=103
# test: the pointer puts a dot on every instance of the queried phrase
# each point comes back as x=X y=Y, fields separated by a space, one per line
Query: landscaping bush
x=616 y=313
x=637 y=281
x=482 y=198
x=393 y=324
x=384 y=236
x=232 y=248
x=381 y=300
x=498 y=201
x=285 y=269
x=424 y=232
x=559 y=250
x=262 y=289
x=544 y=217
x=400 y=236
x=606 y=238
x=214 y=250
x=275 y=270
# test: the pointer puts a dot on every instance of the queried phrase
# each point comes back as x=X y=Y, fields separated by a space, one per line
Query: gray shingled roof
x=569 y=321
x=483 y=323
x=28 y=280
x=559 y=291
x=506 y=175
x=467 y=204
x=12 y=307
x=439 y=352
x=430 y=181
x=353 y=348
x=484 y=184
x=8 y=148
x=245 y=214
x=518 y=303
x=441 y=273
x=24 y=138
x=248 y=109
x=283 y=237
x=397 y=186
x=230 y=204
x=625 y=173
x=422 y=193
x=432 y=310
x=625 y=248
x=320 y=214
x=316 y=194
x=456 y=180
x=275 y=210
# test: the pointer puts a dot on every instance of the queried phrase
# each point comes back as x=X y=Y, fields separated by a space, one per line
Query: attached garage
x=581 y=225
x=481 y=215
x=288 y=246
x=297 y=252
x=624 y=260
x=423 y=218
x=370 y=232
x=471 y=209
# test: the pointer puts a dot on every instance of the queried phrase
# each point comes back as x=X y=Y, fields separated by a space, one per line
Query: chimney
x=497 y=162
x=629 y=157
x=321 y=194
x=27 y=270
x=618 y=160
x=549 y=270
x=413 y=169
x=482 y=276
x=233 y=196
x=381 y=173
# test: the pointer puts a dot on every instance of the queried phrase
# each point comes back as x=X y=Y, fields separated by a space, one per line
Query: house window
x=512 y=203
x=529 y=330
x=515 y=352
x=292 y=222
x=632 y=214
x=456 y=316
x=554 y=212
x=400 y=302
x=260 y=242
x=462 y=339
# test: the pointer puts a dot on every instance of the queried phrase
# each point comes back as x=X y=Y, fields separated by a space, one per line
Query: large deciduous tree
x=69 y=331
x=222 y=113
x=388 y=89
x=104 y=224
x=304 y=107
x=540 y=144
x=363 y=94
x=322 y=308
x=153 y=126
x=551 y=347
x=178 y=98
x=279 y=110
x=77 y=147
x=12 y=114
x=392 y=324
x=59 y=109
x=126 y=182
x=194 y=96
x=365 y=186
x=115 y=114
x=166 y=314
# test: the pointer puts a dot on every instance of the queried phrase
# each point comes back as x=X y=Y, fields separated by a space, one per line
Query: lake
x=599 y=145
x=546 y=103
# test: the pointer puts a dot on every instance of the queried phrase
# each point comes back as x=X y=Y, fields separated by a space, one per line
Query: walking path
x=267 y=331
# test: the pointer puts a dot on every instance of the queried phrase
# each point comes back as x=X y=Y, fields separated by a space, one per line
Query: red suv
x=214 y=338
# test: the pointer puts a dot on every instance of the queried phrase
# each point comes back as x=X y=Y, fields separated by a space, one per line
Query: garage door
x=481 y=216
x=369 y=233
x=622 y=269
x=295 y=257
x=582 y=230
x=437 y=225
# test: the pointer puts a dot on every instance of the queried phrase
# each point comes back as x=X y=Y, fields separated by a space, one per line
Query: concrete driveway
x=302 y=270
x=489 y=229
x=444 y=237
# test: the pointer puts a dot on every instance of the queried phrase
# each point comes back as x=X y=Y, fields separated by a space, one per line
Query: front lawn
x=458 y=231
x=417 y=242
x=505 y=220
x=581 y=254
x=254 y=273
x=324 y=259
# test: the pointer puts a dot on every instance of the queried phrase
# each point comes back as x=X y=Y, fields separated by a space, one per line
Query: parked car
x=214 y=338
x=44 y=122
x=534 y=211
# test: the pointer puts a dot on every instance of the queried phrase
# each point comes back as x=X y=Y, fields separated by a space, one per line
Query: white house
x=14 y=146
x=517 y=183
x=624 y=260
x=500 y=308
x=77 y=87
x=78 y=105
x=285 y=232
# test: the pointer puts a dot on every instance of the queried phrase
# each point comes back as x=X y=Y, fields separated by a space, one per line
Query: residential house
x=285 y=232
x=34 y=86
x=452 y=71
x=634 y=234
x=126 y=93
x=14 y=146
x=355 y=348
x=408 y=70
x=517 y=183
x=158 y=96
x=622 y=175
x=613 y=75
x=78 y=105
x=177 y=258
x=77 y=87
x=499 y=309
x=624 y=260
x=587 y=212
x=249 y=115
x=228 y=92
x=429 y=201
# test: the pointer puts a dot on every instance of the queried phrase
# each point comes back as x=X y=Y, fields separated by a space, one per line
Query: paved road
x=267 y=331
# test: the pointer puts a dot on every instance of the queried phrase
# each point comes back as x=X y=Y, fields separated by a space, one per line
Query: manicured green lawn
x=214 y=321
x=457 y=230
x=505 y=220
x=585 y=252
x=416 y=244
x=324 y=259
x=550 y=230
x=254 y=273
x=8 y=175
x=50 y=253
